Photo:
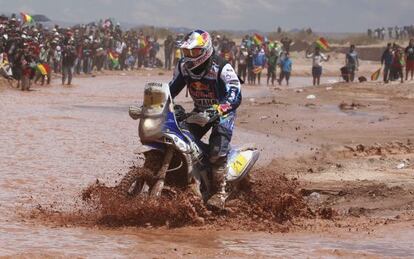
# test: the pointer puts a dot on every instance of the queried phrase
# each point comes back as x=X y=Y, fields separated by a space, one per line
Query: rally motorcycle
x=173 y=156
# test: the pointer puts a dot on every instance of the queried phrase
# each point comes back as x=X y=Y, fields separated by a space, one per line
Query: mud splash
x=271 y=203
x=114 y=209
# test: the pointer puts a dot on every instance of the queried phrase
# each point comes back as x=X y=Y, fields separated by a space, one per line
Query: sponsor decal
x=205 y=102
x=202 y=94
x=205 y=36
x=198 y=86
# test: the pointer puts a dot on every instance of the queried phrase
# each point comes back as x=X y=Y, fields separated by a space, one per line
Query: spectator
x=242 y=63
x=251 y=77
x=68 y=62
x=285 y=68
x=317 y=60
x=352 y=63
x=168 y=51
x=271 y=66
x=142 y=45
x=286 y=43
x=398 y=64
x=259 y=63
x=153 y=50
x=409 y=52
x=386 y=61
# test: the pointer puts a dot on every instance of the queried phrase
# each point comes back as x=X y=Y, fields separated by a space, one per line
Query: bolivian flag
x=258 y=39
x=44 y=69
x=375 y=75
x=322 y=43
x=27 y=18
x=113 y=56
x=257 y=70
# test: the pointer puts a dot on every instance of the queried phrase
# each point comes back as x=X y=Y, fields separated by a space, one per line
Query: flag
x=402 y=59
x=26 y=18
x=44 y=69
x=322 y=43
x=113 y=56
x=257 y=70
x=375 y=75
x=142 y=42
x=258 y=39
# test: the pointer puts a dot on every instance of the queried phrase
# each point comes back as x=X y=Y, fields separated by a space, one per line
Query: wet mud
x=268 y=204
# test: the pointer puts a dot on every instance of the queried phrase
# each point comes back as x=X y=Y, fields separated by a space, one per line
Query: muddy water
x=56 y=140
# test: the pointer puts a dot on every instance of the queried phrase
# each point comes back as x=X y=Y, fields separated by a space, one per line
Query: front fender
x=148 y=147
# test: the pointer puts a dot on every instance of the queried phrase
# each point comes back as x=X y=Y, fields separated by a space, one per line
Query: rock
x=315 y=196
x=264 y=117
x=401 y=166
x=199 y=221
x=299 y=90
x=329 y=88
x=360 y=148
x=383 y=118
x=311 y=97
x=326 y=213
x=357 y=211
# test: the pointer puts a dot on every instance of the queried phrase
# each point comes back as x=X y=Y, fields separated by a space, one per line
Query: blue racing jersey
x=219 y=85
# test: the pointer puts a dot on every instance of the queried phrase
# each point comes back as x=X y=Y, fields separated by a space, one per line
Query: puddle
x=308 y=244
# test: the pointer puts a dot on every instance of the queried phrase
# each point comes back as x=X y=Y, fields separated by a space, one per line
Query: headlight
x=152 y=124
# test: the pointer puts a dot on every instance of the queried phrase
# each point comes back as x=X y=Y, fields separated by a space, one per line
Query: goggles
x=193 y=53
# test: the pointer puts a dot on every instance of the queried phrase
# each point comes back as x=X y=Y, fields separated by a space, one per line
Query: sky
x=264 y=15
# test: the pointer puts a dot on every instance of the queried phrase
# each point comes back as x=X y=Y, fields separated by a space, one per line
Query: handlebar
x=202 y=118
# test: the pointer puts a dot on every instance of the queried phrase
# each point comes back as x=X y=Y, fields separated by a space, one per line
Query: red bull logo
x=198 y=86
x=205 y=36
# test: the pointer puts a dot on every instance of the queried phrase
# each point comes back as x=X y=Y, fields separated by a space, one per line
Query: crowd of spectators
x=80 y=49
x=253 y=55
x=395 y=59
x=30 y=52
x=397 y=33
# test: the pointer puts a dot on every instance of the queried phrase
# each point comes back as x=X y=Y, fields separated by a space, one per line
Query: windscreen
x=154 y=101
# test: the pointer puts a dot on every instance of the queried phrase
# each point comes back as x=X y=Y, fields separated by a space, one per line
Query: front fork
x=159 y=185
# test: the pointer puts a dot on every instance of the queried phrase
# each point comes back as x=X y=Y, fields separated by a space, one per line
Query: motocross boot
x=218 y=200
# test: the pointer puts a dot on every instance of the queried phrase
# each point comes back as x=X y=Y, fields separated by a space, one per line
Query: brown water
x=55 y=141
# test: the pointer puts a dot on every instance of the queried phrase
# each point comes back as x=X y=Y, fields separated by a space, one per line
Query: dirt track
x=347 y=155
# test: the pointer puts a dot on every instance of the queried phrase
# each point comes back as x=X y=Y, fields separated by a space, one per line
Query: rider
x=211 y=82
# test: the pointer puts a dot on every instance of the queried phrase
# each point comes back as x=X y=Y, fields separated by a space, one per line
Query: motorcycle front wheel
x=133 y=182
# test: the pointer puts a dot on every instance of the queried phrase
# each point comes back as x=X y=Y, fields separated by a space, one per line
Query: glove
x=223 y=108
